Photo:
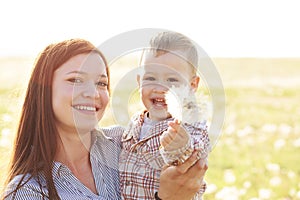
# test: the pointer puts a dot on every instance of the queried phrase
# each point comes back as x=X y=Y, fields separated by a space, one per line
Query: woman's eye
x=102 y=84
x=75 y=80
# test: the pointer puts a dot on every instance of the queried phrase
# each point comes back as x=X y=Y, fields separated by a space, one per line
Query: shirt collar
x=59 y=168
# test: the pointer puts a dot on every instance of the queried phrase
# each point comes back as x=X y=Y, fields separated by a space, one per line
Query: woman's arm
x=183 y=181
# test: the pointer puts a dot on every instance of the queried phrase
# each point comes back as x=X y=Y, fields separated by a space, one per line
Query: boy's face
x=159 y=74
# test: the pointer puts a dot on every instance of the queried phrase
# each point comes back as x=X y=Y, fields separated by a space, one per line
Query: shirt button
x=134 y=151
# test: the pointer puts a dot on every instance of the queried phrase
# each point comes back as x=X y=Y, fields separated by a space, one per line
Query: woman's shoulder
x=113 y=131
x=26 y=179
x=27 y=185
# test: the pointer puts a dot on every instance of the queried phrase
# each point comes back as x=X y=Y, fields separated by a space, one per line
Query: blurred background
x=253 y=44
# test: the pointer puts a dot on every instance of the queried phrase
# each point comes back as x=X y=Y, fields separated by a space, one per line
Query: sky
x=231 y=28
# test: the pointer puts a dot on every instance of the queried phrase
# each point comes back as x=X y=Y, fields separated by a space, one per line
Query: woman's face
x=79 y=93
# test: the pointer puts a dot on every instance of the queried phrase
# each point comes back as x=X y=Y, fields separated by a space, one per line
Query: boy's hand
x=175 y=137
x=182 y=181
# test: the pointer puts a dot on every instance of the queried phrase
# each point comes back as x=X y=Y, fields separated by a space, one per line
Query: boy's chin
x=159 y=115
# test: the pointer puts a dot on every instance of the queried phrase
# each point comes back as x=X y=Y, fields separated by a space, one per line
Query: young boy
x=170 y=62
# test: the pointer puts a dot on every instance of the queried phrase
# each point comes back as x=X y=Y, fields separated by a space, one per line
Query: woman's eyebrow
x=82 y=72
x=76 y=72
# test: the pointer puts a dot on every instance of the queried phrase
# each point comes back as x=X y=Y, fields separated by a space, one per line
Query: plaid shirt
x=141 y=161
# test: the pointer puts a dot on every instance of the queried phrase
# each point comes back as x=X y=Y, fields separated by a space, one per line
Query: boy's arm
x=178 y=142
x=175 y=142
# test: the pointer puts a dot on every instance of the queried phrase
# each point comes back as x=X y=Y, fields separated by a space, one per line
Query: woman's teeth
x=89 y=108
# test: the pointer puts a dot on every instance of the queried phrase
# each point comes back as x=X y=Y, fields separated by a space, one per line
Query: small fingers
x=167 y=137
x=175 y=124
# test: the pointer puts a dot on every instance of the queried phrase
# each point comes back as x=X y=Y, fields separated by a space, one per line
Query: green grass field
x=258 y=153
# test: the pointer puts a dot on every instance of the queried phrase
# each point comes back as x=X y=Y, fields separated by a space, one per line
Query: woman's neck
x=73 y=149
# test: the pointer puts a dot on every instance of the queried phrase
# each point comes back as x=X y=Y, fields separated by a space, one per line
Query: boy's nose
x=158 y=88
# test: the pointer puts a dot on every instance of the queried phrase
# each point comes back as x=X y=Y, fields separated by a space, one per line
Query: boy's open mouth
x=159 y=102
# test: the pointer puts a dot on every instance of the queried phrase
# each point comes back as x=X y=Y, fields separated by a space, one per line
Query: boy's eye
x=172 y=80
x=149 y=78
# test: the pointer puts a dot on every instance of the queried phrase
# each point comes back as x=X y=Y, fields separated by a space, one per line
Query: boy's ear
x=138 y=80
x=194 y=83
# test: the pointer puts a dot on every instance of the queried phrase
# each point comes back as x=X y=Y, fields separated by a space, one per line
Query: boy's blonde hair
x=169 y=41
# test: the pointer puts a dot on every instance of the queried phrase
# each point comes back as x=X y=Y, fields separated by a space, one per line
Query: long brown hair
x=36 y=139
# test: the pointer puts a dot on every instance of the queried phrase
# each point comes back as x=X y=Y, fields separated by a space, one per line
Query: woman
x=58 y=153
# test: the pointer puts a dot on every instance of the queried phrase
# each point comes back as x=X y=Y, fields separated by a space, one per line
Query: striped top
x=104 y=157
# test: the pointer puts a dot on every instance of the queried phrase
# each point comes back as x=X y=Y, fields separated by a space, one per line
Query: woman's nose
x=91 y=91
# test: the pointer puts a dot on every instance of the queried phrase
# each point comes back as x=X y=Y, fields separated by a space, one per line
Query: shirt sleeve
x=198 y=140
x=27 y=191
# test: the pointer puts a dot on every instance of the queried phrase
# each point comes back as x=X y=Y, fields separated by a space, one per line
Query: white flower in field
x=5 y=140
x=7 y=118
x=247 y=184
x=211 y=188
x=285 y=129
x=291 y=174
x=228 y=193
x=296 y=143
x=242 y=192
x=230 y=129
x=275 y=181
x=246 y=131
x=273 y=167
x=298 y=194
x=229 y=176
x=269 y=128
x=183 y=105
x=278 y=144
x=292 y=192
x=264 y=193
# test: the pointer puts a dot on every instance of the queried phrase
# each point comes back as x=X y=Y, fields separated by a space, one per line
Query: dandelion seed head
x=183 y=105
